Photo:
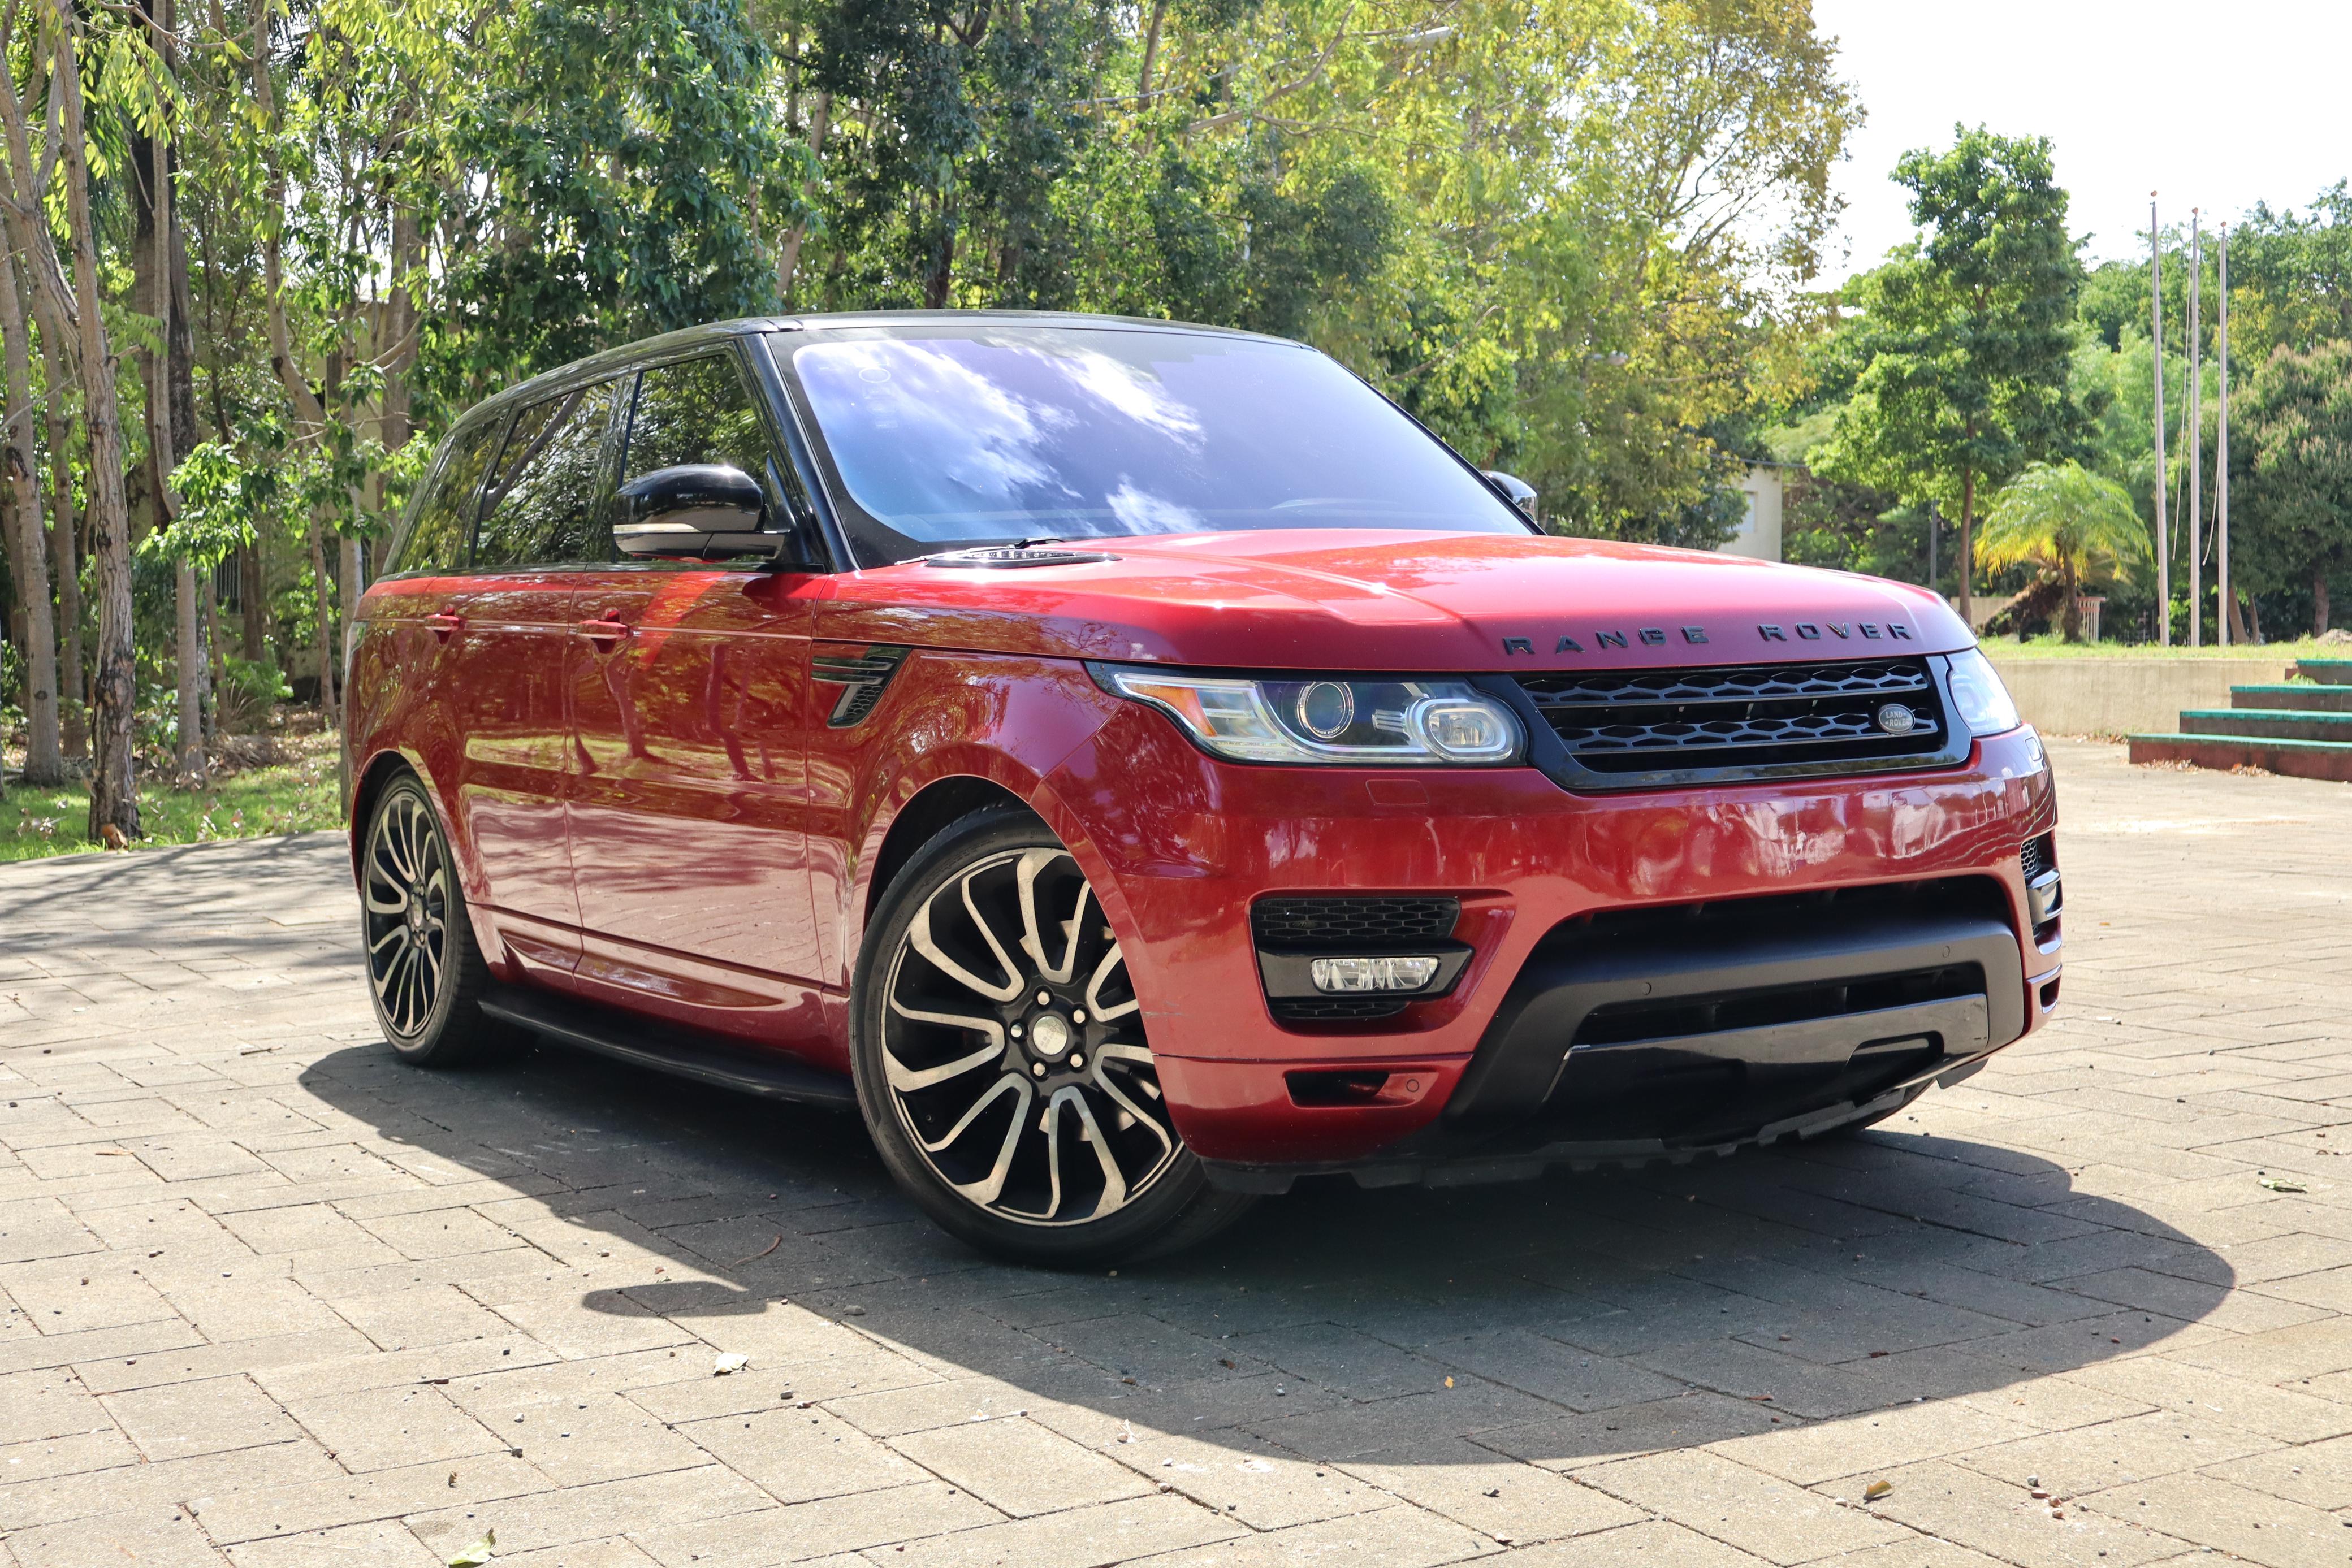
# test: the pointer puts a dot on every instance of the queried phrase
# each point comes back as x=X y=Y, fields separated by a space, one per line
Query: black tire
x=426 y=974
x=954 y=1052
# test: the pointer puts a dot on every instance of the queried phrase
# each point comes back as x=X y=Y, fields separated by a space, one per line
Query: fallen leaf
x=730 y=1361
x=1877 y=1490
x=763 y=1252
x=2281 y=1184
x=478 y=1553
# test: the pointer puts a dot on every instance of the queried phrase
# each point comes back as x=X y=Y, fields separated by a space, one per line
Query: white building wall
x=1759 y=538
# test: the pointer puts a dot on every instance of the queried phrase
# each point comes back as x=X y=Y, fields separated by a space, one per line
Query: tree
x=1967 y=333
x=2073 y=527
x=2298 y=424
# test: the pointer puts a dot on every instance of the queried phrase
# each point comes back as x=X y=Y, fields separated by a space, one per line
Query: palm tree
x=2079 y=528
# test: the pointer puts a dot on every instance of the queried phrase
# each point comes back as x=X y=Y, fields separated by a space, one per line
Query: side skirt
x=667 y=1048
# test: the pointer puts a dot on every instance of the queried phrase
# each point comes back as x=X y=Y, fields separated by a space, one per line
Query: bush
x=250 y=689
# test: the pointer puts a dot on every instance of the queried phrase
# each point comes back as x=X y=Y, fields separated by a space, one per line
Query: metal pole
x=2193 y=438
x=2221 y=454
x=2163 y=481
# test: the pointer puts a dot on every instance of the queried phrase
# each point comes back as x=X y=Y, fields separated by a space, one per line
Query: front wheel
x=1002 y=1064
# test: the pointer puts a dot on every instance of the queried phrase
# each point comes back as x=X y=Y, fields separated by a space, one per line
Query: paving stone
x=1392 y=1538
x=2255 y=1526
x=1077 y=1538
x=1731 y=1502
x=331 y=1282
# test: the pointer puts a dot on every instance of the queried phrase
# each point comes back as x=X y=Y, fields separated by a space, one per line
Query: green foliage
x=2073 y=528
x=1968 y=333
x=2299 y=430
x=628 y=150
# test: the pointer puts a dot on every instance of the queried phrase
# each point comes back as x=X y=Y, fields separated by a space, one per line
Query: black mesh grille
x=1652 y=721
x=2038 y=855
x=1348 y=921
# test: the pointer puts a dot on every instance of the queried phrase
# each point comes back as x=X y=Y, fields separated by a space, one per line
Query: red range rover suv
x=1138 y=766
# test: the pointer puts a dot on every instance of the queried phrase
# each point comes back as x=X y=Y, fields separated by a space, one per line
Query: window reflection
x=955 y=437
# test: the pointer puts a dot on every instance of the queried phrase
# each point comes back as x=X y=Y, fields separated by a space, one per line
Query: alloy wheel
x=406 y=897
x=1013 y=1046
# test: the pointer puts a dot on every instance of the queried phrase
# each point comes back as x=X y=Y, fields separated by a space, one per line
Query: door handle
x=605 y=633
x=445 y=626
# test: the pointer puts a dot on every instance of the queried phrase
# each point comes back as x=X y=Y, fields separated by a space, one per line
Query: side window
x=445 y=514
x=699 y=410
x=543 y=503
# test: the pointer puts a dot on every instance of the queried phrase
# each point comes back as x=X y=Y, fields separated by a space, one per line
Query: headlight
x=1983 y=703
x=1367 y=722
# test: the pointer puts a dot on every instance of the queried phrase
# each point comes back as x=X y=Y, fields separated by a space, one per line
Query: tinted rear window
x=544 y=508
x=444 y=520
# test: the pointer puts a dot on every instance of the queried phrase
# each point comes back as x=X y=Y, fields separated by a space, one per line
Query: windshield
x=986 y=434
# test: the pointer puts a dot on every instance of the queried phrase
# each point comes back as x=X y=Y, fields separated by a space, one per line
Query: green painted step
x=2327 y=671
x=2272 y=724
x=2330 y=699
x=2301 y=758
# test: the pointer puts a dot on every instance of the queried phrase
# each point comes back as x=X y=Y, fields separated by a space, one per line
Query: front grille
x=2038 y=855
x=1355 y=923
x=1672 y=722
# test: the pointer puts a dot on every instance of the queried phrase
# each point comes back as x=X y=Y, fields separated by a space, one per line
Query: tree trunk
x=324 y=599
x=1966 y=560
x=27 y=553
x=65 y=542
x=152 y=271
x=114 y=783
x=400 y=327
x=2319 y=601
x=1151 y=51
x=788 y=257
x=2071 y=614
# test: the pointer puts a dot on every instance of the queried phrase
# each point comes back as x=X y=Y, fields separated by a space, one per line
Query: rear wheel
x=424 y=972
x=1002 y=1062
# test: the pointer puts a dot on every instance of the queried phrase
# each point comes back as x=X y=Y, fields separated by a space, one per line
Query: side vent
x=862 y=678
x=1003 y=557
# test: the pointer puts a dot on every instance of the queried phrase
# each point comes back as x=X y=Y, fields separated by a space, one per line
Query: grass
x=2050 y=646
x=292 y=792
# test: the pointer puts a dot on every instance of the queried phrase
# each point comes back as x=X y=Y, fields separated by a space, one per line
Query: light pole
x=2228 y=615
x=2163 y=483
x=2192 y=437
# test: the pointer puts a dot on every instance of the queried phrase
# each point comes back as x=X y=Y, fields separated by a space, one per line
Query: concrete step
x=2330 y=699
x=2271 y=723
x=2302 y=759
x=2327 y=672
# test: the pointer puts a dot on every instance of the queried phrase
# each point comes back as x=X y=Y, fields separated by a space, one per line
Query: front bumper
x=1180 y=847
x=1707 y=1034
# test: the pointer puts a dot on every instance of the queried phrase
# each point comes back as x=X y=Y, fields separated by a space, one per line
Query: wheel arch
x=916 y=823
x=381 y=771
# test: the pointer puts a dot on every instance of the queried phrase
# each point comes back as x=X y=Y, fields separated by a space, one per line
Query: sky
x=2109 y=82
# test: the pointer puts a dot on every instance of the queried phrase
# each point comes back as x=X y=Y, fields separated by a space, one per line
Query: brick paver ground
x=272 y=1299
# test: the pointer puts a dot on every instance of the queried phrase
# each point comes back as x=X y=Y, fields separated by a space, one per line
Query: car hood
x=1368 y=599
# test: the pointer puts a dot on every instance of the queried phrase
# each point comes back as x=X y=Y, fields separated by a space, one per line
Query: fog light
x=2043 y=899
x=1373 y=974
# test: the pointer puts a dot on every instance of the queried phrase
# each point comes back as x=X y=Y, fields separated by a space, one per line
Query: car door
x=543 y=494
x=688 y=687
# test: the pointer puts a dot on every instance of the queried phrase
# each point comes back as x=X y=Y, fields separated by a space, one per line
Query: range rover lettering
x=1136 y=765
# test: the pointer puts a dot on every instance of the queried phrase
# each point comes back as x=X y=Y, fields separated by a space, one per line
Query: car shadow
x=1562 y=1321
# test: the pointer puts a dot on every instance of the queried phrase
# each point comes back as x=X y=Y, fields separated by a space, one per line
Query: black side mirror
x=696 y=511
x=1516 y=490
